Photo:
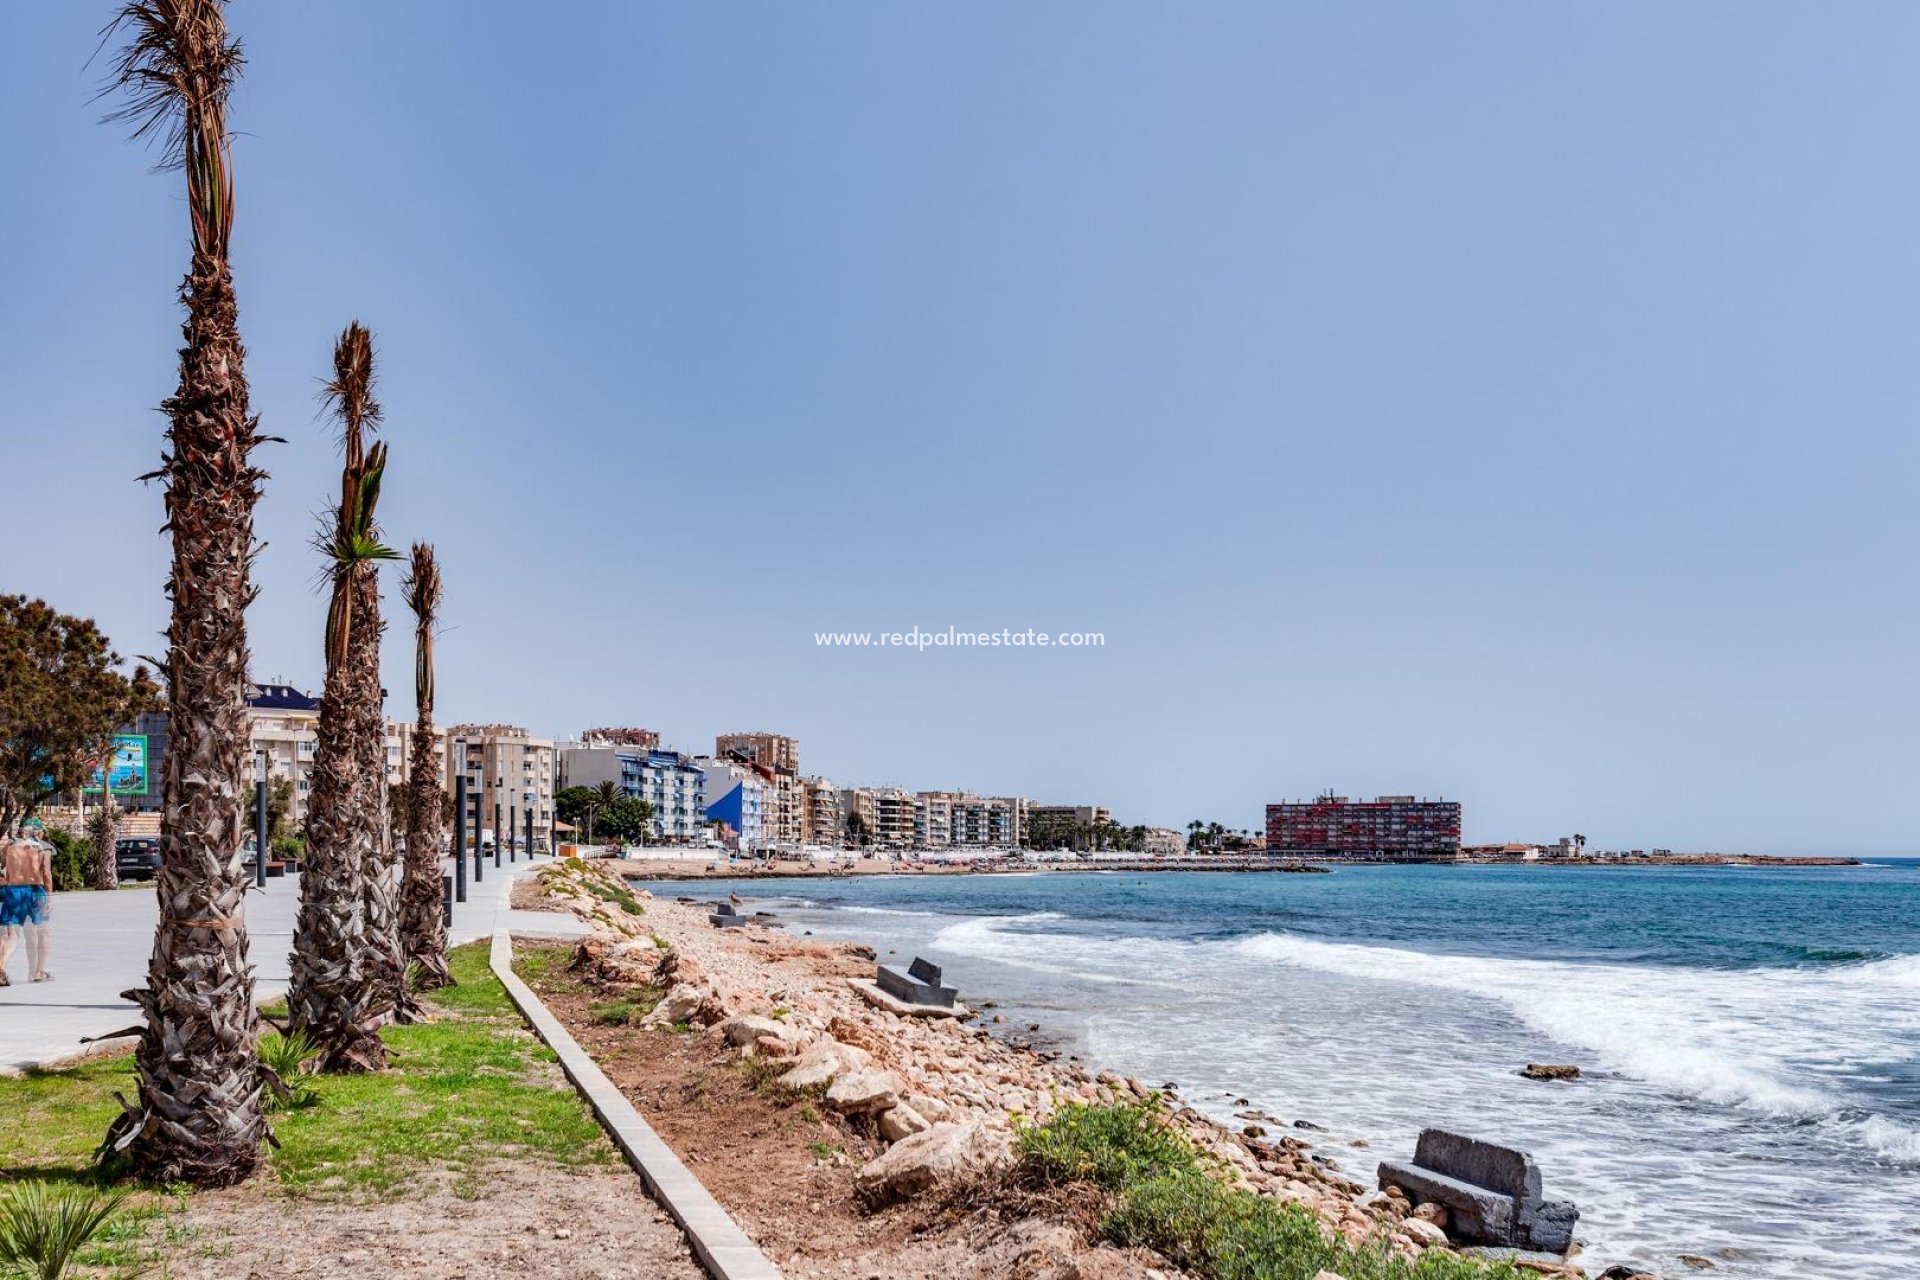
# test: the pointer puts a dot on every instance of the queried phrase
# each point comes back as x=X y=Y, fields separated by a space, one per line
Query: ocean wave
x=1758 y=1039
x=1064 y=954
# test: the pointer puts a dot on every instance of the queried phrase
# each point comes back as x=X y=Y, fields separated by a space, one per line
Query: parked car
x=137 y=858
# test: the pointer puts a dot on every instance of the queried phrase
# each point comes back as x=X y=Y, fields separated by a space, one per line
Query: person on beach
x=27 y=866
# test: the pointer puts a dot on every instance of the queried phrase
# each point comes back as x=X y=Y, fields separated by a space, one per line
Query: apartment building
x=671 y=782
x=1384 y=829
x=283 y=725
x=737 y=794
x=1164 y=842
x=1084 y=815
x=822 y=822
x=509 y=772
x=622 y=736
x=959 y=818
x=779 y=756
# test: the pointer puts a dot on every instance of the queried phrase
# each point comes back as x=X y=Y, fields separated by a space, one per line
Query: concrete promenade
x=102 y=941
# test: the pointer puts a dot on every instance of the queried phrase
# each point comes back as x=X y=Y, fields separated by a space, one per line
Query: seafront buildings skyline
x=750 y=793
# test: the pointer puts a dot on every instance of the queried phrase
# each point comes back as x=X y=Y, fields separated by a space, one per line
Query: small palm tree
x=344 y=960
x=43 y=1229
x=423 y=932
x=198 y=1118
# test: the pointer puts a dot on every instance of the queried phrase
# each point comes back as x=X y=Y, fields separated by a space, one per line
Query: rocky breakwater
x=946 y=1098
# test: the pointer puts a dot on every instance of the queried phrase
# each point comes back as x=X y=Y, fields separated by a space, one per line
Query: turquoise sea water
x=1751 y=1036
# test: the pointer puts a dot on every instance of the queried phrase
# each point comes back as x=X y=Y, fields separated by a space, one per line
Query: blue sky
x=1500 y=401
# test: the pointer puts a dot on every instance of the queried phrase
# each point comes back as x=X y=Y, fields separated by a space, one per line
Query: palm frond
x=349 y=393
x=175 y=69
x=422 y=589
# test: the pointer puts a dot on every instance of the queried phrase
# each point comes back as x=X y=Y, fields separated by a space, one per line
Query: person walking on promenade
x=9 y=934
x=25 y=902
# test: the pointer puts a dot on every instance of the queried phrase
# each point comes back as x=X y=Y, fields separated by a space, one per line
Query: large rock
x=902 y=1121
x=824 y=1059
x=682 y=1001
x=1424 y=1232
x=1550 y=1071
x=865 y=1092
x=941 y=1155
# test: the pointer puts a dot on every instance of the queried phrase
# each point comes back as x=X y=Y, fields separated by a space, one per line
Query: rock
x=1428 y=1211
x=680 y=1004
x=1697 y=1262
x=1308 y=1124
x=938 y=1155
x=902 y=1121
x=864 y=1091
x=1328 y=1275
x=1550 y=1071
x=1254 y=1131
x=774 y=1047
x=929 y=1106
x=750 y=1027
x=1423 y=1232
x=824 y=1059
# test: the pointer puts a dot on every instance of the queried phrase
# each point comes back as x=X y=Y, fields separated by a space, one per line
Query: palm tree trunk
x=199 y=1118
x=423 y=930
x=105 y=827
x=386 y=971
x=330 y=989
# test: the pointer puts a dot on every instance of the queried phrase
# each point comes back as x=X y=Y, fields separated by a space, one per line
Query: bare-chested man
x=26 y=889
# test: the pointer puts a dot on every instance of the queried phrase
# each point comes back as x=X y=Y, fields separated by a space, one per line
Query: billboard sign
x=126 y=767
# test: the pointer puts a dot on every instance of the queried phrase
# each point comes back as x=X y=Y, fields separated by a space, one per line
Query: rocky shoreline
x=945 y=1097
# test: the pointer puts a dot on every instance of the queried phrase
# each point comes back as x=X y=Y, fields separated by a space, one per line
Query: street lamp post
x=529 y=826
x=513 y=828
x=497 y=833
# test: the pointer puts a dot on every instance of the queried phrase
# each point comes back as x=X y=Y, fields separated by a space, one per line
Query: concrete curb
x=717 y=1241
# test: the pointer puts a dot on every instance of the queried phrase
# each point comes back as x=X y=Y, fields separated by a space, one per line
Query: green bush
x=1110 y=1147
x=1161 y=1194
x=71 y=855
x=288 y=848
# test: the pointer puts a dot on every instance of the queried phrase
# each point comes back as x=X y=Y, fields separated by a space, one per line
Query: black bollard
x=513 y=829
x=496 y=834
x=529 y=835
x=259 y=832
x=460 y=838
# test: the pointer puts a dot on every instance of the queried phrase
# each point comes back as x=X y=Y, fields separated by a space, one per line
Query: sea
x=1748 y=1037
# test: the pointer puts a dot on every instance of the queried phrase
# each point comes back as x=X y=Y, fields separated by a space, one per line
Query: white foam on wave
x=1760 y=1039
x=998 y=938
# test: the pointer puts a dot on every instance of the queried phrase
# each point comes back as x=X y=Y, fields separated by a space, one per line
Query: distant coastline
x=711 y=868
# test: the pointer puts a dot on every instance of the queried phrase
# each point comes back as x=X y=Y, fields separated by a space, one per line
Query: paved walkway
x=102 y=941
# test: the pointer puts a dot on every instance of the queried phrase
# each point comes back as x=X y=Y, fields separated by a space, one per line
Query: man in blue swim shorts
x=26 y=885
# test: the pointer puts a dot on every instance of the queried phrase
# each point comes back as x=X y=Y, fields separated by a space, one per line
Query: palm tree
x=423 y=932
x=103 y=828
x=198 y=1119
x=340 y=990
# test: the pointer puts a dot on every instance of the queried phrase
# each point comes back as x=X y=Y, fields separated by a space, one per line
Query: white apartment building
x=672 y=783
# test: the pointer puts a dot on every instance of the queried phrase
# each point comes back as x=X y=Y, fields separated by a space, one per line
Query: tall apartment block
x=1384 y=829
x=507 y=769
x=785 y=818
x=886 y=812
x=944 y=819
x=822 y=821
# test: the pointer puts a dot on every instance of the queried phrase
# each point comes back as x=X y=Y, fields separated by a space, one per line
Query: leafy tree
x=624 y=818
x=857 y=830
x=279 y=806
x=62 y=697
x=71 y=857
x=572 y=804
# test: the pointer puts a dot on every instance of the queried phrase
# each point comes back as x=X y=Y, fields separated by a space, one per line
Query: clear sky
x=1508 y=402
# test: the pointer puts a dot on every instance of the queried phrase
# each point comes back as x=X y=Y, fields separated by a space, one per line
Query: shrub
x=71 y=855
x=1110 y=1147
x=286 y=1056
x=1161 y=1194
x=43 y=1229
x=288 y=848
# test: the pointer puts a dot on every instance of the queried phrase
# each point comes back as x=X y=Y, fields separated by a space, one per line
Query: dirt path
x=555 y=1224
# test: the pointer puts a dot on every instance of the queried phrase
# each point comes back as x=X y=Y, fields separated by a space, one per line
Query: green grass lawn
x=470 y=1088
